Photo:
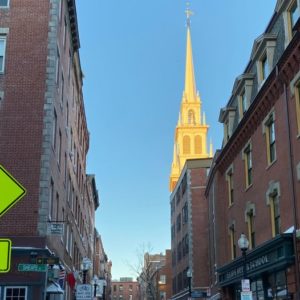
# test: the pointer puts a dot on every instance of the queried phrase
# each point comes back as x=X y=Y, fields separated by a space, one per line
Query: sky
x=133 y=59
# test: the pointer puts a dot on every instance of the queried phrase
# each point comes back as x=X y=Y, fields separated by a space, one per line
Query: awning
x=54 y=288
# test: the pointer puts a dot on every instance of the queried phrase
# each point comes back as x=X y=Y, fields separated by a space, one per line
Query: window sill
x=298 y=136
x=271 y=164
x=230 y=205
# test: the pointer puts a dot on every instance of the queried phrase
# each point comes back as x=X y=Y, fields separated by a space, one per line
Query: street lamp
x=94 y=282
x=85 y=266
x=244 y=245
x=189 y=276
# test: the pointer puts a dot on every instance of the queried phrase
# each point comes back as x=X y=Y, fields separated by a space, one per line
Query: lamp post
x=189 y=276
x=104 y=288
x=85 y=266
x=244 y=245
x=94 y=282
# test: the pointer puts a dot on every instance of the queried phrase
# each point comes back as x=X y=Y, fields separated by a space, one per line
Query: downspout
x=292 y=187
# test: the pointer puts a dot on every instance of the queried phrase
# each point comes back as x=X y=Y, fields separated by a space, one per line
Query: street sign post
x=5 y=254
x=32 y=268
x=84 y=292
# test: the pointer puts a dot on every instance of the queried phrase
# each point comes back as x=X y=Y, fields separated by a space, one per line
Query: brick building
x=254 y=184
x=44 y=142
x=125 y=289
x=189 y=229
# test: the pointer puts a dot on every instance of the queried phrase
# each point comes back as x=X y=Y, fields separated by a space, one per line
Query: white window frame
x=16 y=287
x=3 y=38
x=5 y=6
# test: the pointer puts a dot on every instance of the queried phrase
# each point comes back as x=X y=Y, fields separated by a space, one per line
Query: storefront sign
x=246 y=295
x=245 y=285
x=83 y=292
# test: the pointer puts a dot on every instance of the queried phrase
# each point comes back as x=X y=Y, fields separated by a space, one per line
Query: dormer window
x=226 y=117
x=263 y=53
x=264 y=67
x=294 y=13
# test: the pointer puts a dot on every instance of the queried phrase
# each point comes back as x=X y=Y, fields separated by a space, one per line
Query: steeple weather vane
x=188 y=13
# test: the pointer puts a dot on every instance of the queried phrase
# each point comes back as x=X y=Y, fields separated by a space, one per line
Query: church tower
x=190 y=139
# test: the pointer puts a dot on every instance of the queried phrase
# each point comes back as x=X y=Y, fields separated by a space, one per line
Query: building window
x=248 y=165
x=251 y=231
x=178 y=222
x=54 y=129
x=51 y=191
x=121 y=288
x=15 y=293
x=115 y=288
x=297 y=96
x=294 y=14
x=186 y=145
x=229 y=178
x=198 y=144
x=275 y=213
x=2 y=52
x=4 y=3
x=264 y=67
x=270 y=139
x=59 y=148
x=243 y=104
x=191 y=117
x=62 y=88
x=185 y=213
x=179 y=252
x=162 y=279
x=65 y=32
x=57 y=68
x=173 y=232
x=232 y=241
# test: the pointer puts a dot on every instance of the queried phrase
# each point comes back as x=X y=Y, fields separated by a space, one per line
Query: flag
x=61 y=279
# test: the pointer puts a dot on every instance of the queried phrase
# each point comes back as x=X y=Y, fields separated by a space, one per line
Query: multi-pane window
x=248 y=165
x=185 y=213
x=294 y=13
x=229 y=178
x=4 y=3
x=51 y=191
x=178 y=222
x=275 y=213
x=251 y=231
x=173 y=232
x=54 y=129
x=59 y=148
x=297 y=98
x=232 y=241
x=179 y=252
x=2 y=52
x=243 y=104
x=270 y=135
x=15 y=293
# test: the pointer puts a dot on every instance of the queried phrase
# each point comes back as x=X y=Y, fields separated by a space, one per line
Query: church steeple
x=191 y=131
x=190 y=84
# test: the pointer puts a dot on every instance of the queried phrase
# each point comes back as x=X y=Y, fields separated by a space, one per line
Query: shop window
x=297 y=98
x=276 y=286
x=248 y=165
x=270 y=138
x=229 y=178
x=15 y=293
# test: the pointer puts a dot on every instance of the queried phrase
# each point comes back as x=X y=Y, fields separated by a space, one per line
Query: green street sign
x=5 y=254
x=11 y=191
x=32 y=268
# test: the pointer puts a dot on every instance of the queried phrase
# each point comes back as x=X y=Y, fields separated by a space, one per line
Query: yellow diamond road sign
x=11 y=191
x=5 y=253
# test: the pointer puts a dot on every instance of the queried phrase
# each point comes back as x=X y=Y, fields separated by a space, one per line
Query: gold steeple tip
x=188 y=13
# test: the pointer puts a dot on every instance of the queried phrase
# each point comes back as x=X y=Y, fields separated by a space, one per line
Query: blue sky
x=133 y=58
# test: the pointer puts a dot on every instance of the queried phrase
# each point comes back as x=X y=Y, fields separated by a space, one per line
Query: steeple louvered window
x=191 y=117
x=198 y=144
x=186 y=145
